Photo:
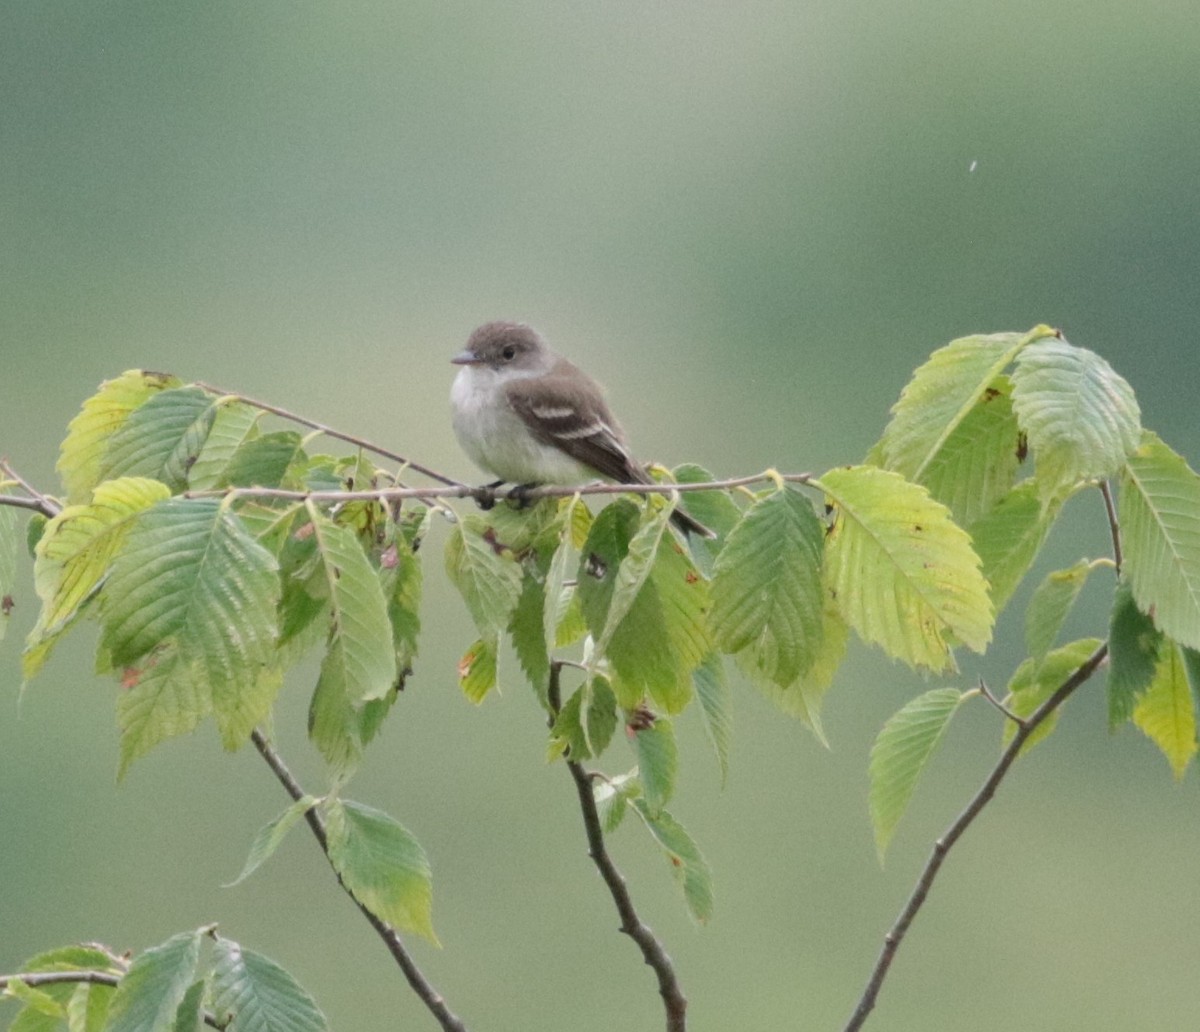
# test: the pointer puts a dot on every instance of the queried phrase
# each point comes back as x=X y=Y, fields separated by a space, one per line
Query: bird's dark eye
x=508 y=352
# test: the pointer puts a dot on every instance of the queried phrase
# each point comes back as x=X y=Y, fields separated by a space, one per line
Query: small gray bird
x=528 y=416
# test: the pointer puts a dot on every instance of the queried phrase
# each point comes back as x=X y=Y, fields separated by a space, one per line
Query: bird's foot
x=519 y=493
x=485 y=494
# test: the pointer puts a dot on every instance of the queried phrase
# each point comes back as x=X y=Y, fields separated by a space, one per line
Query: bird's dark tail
x=690 y=525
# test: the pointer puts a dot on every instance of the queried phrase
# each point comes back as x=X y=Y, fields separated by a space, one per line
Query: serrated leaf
x=1133 y=649
x=716 y=708
x=977 y=463
x=87 y=1007
x=79 y=543
x=191 y=579
x=382 y=864
x=526 y=626
x=555 y=594
x=585 y=724
x=75 y=957
x=631 y=574
x=1009 y=538
x=189 y=1017
x=257 y=995
x=162 y=438
x=944 y=394
x=1159 y=512
x=1050 y=605
x=35 y=999
x=485 y=573
x=901 y=752
x=903 y=574
x=162 y=697
x=264 y=461
x=477 y=669
x=402 y=583
x=102 y=415
x=612 y=797
x=658 y=763
x=151 y=991
x=234 y=423
x=715 y=509
x=1166 y=713
x=766 y=587
x=269 y=837
x=1033 y=684
x=1080 y=416
x=687 y=863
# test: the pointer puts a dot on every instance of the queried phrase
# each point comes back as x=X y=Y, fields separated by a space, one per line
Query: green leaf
x=190 y=578
x=687 y=864
x=255 y=994
x=766 y=587
x=978 y=462
x=264 y=461
x=901 y=751
x=402 y=579
x=1033 y=684
x=162 y=438
x=715 y=509
x=658 y=763
x=74 y=554
x=612 y=797
x=162 y=697
x=948 y=391
x=149 y=995
x=35 y=999
x=477 y=669
x=103 y=415
x=631 y=574
x=663 y=635
x=8 y=563
x=526 y=626
x=1166 y=713
x=87 y=1007
x=903 y=574
x=716 y=708
x=269 y=837
x=234 y=423
x=382 y=864
x=485 y=573
x=594 y=698
x=555 y=595
x=1159 y=511
x=1080 y=417
x=1133 y=650
x=1050 y=605
x=1009 y=538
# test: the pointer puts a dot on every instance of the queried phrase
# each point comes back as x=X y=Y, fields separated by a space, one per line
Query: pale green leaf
x=161 y=438
x=1159 y=511
x=149 y=995
x=265 y=461
x=103 y=415
x=1166 y=712
x=1133 y=650
x=715 y=509
x=87 y=1007
x=1034 y=683
x=900 y=753
x=978 y=461
x=485 y=573
x=78 y=545
x=766 y=589
x=632 y=573
x=162 y=697
x=234 y=423
x=584 y=726
x=1050 y=605
x=688 y=866
x=903 y=574
x=35 y=999
x=1009 y=538
x=1081 y=417
x=556 y=596
x=190 y=1015
x=477 y=669
x=612 y=796
x=269 y=837
x=402 y=580
x=943 y=394
x=658 y=763
x=382 y=865
x=716 y=708
x=255 y=994
x=526 y=626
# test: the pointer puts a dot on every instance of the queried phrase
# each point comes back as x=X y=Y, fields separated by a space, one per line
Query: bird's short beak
x=465 y=358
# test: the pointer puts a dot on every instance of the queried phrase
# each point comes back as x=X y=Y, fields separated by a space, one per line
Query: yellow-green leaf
x=1166 y=713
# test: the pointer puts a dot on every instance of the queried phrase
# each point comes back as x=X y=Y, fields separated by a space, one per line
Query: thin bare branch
x=328 y=431
x=420 y=985
x=653 y=953
x=1114 y=526
x=988 y=694
x=36 y=501
x=895 y=936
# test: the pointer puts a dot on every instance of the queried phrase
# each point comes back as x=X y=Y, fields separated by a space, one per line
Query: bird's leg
x=485 y=494
x=519 y=493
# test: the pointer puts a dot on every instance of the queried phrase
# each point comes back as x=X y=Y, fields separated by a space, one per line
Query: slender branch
x=33 y=979
x=895 y=936
x=36 y=501
x=653 y=953
x=1114 y=526
x=328 y=431
x=988 y=694
x=420 y=985
x=487 y=494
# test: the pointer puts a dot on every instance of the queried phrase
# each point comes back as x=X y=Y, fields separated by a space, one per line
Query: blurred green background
x=751 y=222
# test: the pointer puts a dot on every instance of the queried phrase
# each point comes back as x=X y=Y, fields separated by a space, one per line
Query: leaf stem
x=420 y=985
x=653 y=952
x=895 y=935
x=1114 y=526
